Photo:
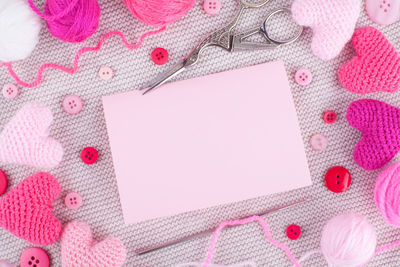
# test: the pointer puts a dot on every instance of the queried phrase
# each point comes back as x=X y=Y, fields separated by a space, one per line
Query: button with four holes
x=73 y=201
x=34 y=257
x=72 y=104
x=89 y=155
x=159 y=56
x=106 y=73
x=212 y=7
x=3 y=182
x=338 y=179
x=318 y=142
x=303 y=77
x=10 y=91
x=293 y=231
x=383 y=12
x=329 y=116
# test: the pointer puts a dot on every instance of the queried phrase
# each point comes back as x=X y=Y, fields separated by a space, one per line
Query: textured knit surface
x=78 y=248
x=377 y=66
x=379 y=124
x=332 y=22
x=26 y=210
x=25 y=139
x=132 y=69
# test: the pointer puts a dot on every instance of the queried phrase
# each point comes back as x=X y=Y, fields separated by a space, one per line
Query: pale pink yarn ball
x=159 y=13
x=348 y=240
x=387 y=194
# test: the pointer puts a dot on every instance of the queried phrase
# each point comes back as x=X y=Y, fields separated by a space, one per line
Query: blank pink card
x=207 y=141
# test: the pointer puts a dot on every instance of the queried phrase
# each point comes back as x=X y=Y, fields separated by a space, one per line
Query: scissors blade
x=164 y=77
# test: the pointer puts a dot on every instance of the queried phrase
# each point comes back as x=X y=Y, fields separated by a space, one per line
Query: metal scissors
x=230 y=42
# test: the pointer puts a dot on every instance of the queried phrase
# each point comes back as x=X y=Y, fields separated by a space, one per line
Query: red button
x=159 y=56
x=89 y=155
x=3 y=182
x=34 y=257
x=338 y=179
x=329 y=116
x=293 y=231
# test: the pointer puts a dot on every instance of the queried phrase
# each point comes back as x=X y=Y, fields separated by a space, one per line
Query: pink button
x=73 y=201
x=329 y=116
x=34 y=257
x=89 y=155
x=3 y=182
x=10 y=91
x=383 y=12
x=72 y=104
x=159 y=56
x=293 y=232
x=318 y=142
x=106 y=73
x=212 y=7
x=4 y=263
x=303 y=77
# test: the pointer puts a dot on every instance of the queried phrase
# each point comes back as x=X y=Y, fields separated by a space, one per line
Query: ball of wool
x=75 y=26
x=159 y=13
x=387 y=194
x=348 y=240
x=19 y=30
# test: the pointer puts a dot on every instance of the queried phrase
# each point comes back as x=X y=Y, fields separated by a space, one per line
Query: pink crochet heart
x=25 y=139
x=377 y=66
x=380 y=127
x=78 y=248
x=26 y=210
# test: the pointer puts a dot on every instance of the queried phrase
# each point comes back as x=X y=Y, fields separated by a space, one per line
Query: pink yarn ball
x=387 y=194
x=75 y=26
x=348 y=240
x=159 y=13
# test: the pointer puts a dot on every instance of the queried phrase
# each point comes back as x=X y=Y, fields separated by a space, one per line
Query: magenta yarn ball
x=387 y=194
x=159 y=13
x=78 y=24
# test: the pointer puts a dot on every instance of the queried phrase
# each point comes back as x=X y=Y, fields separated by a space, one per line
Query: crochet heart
x=379 y=124
x=332 y=22
x=26 y=210
x=78 y=248
x=377 y=66
x=25 y=139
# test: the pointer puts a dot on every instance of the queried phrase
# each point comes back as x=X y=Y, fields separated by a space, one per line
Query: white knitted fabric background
x=97 y=185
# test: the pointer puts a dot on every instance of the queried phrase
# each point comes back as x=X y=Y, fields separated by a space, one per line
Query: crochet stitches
x=380 y=127
x=26 y=210
x=78 y=249
x=332 y=22
x=25 y=139
x=377 y=66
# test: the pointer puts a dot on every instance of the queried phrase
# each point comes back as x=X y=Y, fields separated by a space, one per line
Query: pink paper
x=207 y=141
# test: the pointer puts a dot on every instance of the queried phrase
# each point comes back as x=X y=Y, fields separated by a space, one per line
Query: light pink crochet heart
x=26 y=210
x=78 y=248
x=25 y=139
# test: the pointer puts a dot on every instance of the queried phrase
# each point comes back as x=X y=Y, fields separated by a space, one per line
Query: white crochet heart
x=25 y=139
x=332 y=22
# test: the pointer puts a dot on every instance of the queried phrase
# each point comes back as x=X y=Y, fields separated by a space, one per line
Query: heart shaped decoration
x=25 y=139
x=26 y=210
x=332 y=22
x=377 y=66
x=380 y=126
x=78 y=248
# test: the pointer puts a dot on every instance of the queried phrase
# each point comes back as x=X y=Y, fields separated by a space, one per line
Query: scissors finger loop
x=246 y=4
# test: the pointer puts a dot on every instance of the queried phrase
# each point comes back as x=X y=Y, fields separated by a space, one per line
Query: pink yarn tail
x=387 y=247
x=264 y=226
x=80 y=52
x=55 y=17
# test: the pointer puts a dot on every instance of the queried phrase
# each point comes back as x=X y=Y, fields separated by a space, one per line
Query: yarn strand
x=80 y=52
x=55 y=17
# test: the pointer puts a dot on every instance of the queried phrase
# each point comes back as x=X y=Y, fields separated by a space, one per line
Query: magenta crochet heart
x=26 y=210
x=380 y=127
x=377 y=66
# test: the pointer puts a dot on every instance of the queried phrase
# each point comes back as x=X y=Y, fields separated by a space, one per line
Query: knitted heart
x=25 y=139
x=377 y=66
x=380 y=127
x=78 y=249
x=332 y=22
x=25 y=211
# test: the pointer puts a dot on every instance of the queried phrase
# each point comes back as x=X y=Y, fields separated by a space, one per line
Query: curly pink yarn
x=159 y=13
x=377 y=66
x=26 y=210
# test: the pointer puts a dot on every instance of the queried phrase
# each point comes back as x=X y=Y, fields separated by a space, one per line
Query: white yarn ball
x=348 y=240
x=19 y=30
